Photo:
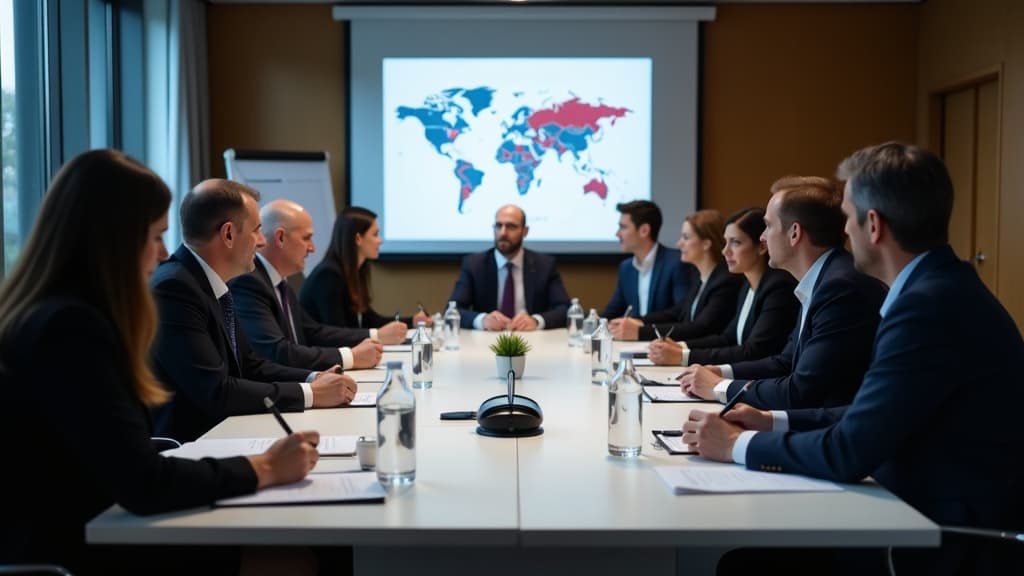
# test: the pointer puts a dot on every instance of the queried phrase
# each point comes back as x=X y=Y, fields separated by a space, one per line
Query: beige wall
x=961 y=40
x=793 y=89
x=786 y=89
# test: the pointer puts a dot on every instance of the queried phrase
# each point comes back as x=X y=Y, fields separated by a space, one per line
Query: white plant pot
x=516 y=363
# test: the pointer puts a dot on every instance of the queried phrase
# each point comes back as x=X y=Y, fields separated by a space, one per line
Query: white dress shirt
x=804 y=292
x=517 y=282
x=645 y=271
x=220 y=288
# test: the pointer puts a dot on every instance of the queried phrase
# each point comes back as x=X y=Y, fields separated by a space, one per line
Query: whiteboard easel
x=302 y=177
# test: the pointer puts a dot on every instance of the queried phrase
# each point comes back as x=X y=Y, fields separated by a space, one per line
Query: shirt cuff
x=726 y=371
x=347 y=359
x=540 y=321
x=780 y=421
x=478 y=322
x=686 y=357
x=721 y=390
x=307 y=394
x=739 y=449
x=373 y=333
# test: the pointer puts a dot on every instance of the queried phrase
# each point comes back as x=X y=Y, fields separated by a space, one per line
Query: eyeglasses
x=511 y=226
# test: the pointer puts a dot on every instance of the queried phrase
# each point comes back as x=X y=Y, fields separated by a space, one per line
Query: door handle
x=978 y=258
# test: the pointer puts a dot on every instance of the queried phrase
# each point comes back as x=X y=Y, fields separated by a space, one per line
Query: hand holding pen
x=289 y=459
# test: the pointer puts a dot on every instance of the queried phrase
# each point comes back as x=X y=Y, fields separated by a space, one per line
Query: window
x=10 y=240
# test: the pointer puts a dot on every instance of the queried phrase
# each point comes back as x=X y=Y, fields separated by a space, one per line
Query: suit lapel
x=490 y=281
x=529 y=272
x=184 y=255
x=271 y=290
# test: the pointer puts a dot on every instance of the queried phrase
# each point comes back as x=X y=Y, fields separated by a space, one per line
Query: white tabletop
x=561 y=489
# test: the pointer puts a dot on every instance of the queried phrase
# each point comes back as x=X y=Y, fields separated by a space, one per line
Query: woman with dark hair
x=766 y=310
x=76 y=323
x=337 y=292
x=710 y=302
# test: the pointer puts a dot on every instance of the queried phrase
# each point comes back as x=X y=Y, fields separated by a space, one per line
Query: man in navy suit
x=830 y=348
x=653 y=279
x=509 y=287
x=200 y=352
x=923 y=423
x=277 y=326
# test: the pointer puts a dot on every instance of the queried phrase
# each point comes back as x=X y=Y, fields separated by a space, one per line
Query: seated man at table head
x=922 y=423
x=830 y=347
x=269 y=312
x=201 y=351
x=79 y=430
x=653 y=278
x=337 y=291
x=509 y=287
x=709 y=303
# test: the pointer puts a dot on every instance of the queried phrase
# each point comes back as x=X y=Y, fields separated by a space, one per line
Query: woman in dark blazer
x=76 y=323
x=337 y=292
x=711 y=301
x=766 y=310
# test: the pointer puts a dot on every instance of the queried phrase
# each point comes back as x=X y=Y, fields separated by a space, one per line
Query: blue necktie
x=227 y=307
x=508 y=293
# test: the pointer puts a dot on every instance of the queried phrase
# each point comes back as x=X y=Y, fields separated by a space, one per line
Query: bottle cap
x=625 y=355
x=394 y=365
x=422 y=323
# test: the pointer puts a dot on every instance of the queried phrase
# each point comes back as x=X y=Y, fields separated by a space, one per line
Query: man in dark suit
x=830 y=348
x=654 y=278
x=269 y=313
x=922 y=424
x=200 y=352
x=509 y=287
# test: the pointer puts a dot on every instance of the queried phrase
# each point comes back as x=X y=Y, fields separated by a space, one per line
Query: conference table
x=545 y=504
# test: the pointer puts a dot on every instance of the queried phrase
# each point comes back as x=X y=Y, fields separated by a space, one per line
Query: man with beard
x=509 y=287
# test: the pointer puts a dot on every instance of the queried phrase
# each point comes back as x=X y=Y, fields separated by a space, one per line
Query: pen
x=398 y=313
x=669 y=333
x=628 y=310
x=735 y=399
x=656 y=331
x=277 y=414
x=669 y=432
x=419 y=305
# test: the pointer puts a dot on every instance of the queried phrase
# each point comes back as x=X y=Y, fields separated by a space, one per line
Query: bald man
x=509 y=287
x=276 y=325
x=201 y=351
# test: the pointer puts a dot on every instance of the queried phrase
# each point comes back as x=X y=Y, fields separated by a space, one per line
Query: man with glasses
x=509 y=287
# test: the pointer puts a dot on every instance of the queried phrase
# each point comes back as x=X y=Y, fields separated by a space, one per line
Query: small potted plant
x=510 y=353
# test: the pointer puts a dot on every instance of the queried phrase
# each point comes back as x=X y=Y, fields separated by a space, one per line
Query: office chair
x=982 y=533
x=34 y=569
x=161 y=444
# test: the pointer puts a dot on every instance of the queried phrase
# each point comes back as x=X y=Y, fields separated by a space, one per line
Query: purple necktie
x=508 y=294
x=282 y=287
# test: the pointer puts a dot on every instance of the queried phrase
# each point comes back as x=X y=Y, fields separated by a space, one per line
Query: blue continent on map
x=569 y=126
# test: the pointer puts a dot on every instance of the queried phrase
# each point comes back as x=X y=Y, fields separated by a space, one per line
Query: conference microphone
x=509 y=415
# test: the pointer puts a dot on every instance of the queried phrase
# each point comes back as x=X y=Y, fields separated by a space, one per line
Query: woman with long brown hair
x=76 y=323
x=337 y=291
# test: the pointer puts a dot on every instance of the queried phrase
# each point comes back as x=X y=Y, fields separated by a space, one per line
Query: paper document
x=227 y=447
x=316 y=488
x=642 y=362
x=363 y=399
x=367 y=375
x=398 y=347
x=634 y=347
x=669 y=394
x=735 y=480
